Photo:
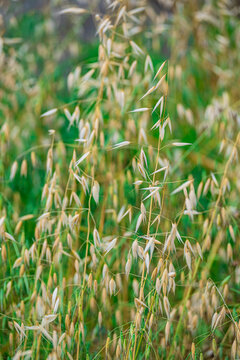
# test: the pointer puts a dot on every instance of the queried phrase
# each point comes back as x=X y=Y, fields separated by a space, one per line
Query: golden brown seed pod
x=138 y=320
x=13 y=170
x=194 y=321
x=151 y=321
x=229 y=252
x=158 y=286
x=67 y=321
x=104 y=297
x=49 y=160
x=166 y=306
x=22 y=307
x=23 y=170
x=112 y=287
x=135 y=286
x=193 y=351
x=225 y=291
x=128 y=267
x=118 y=351
x=33 y=296
x=71 y=331
x=100 y=318
x=11 y=339
x=119 y=281
x=33 y=159
x=107 y=346
x=207 y=242
x=199 y=190
x=18 y=227
x=232 y=233
x=234 y=350
x=45 y=191
x=118 y=317
x=48 y=255
x=154 y=273
x=114 y=343
x=167 y=331
x=22 y=269
x=101 y=53
x=4 y=253
x=206 y=186
x=90 y=280
x=26 y=257
x=93 y=305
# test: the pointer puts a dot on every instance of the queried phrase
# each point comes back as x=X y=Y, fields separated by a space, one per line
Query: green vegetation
x=119 y=185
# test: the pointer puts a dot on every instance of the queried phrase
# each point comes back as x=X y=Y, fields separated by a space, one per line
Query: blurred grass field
x=119 y=186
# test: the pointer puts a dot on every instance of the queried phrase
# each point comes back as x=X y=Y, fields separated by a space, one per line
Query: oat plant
x=130 y=250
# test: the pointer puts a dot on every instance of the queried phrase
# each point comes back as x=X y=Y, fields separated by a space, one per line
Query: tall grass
x=119 y=208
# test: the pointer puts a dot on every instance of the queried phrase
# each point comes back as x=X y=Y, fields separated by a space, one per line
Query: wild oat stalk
x=119 y=203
